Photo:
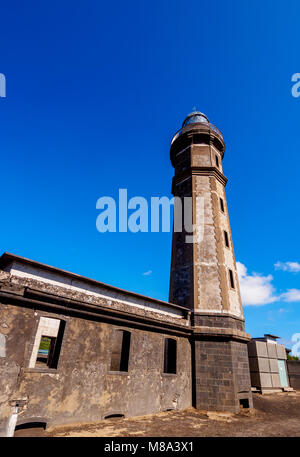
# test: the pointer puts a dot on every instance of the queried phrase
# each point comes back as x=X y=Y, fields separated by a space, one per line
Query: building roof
x=194 y=118
x=7 y=258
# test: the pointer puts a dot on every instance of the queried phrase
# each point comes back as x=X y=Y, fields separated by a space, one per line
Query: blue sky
x=96 y=90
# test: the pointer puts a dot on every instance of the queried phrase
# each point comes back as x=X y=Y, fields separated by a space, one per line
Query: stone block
x=263 y=365
x=276 y=380
x=260 y=349
x=260 y=364
x=272 y=353
x=273 y=365
x=266 y=380
x=281 y=352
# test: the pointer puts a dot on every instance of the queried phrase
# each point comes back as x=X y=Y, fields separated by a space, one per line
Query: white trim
x=56 y=279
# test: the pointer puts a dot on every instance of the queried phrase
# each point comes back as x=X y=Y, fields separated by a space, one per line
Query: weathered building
x=109 y=354
x=73 y=349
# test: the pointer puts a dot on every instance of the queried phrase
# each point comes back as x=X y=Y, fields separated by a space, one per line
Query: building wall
x=293 y=367
x=231 y=298
x=82 y=388
x=181 y=278
x=221 y=365
x=263 y=362
x=208 y=296
x=222 y=375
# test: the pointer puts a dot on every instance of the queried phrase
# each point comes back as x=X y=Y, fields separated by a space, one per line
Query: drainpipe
x=12 y=421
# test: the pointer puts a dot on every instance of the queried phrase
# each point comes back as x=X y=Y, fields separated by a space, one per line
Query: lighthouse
x=203 y=272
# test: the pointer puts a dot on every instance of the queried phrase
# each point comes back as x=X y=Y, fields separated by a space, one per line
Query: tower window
x=217 y=161
x=120 y=351
x=226 y=239
x=170 y=355
x=222 y=205
x=231 y=279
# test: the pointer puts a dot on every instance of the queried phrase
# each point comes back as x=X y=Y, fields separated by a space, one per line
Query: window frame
x=169 y=373
x=127 y=362
x=226 y=239
x=231 y=279
x=63 y=326
x=222 y=206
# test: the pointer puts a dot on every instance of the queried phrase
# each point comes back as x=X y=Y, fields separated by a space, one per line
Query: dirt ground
x=273 y=415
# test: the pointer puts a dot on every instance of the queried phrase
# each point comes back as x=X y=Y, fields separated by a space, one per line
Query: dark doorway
x=31 y=429
x=244 y=403
x=115 y=416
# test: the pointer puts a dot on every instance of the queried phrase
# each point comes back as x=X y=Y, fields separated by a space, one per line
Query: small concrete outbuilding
x=268 y=368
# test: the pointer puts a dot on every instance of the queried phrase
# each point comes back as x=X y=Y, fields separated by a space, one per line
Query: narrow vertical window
x=48 y=343
x=226 y=239
x=120 y=351
x=170 y=355
x=222 y=205
x=217 y=161
x=231 y=279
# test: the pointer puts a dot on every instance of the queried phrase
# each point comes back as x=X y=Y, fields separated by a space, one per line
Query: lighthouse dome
x=195 y=118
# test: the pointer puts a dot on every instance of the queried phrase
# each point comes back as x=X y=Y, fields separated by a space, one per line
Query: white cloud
x=292 y=295
x=255 y=289
x=294 y=267
x=258 y=290
x=147 y=273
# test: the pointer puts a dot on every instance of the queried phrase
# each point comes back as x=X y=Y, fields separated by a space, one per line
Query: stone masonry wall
x=82 y=388
x=207 y=280
x=222 y=375
x=181 y=279
x=293 y=367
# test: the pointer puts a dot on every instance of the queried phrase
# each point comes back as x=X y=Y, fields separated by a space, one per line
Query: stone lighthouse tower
x=203 y=272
